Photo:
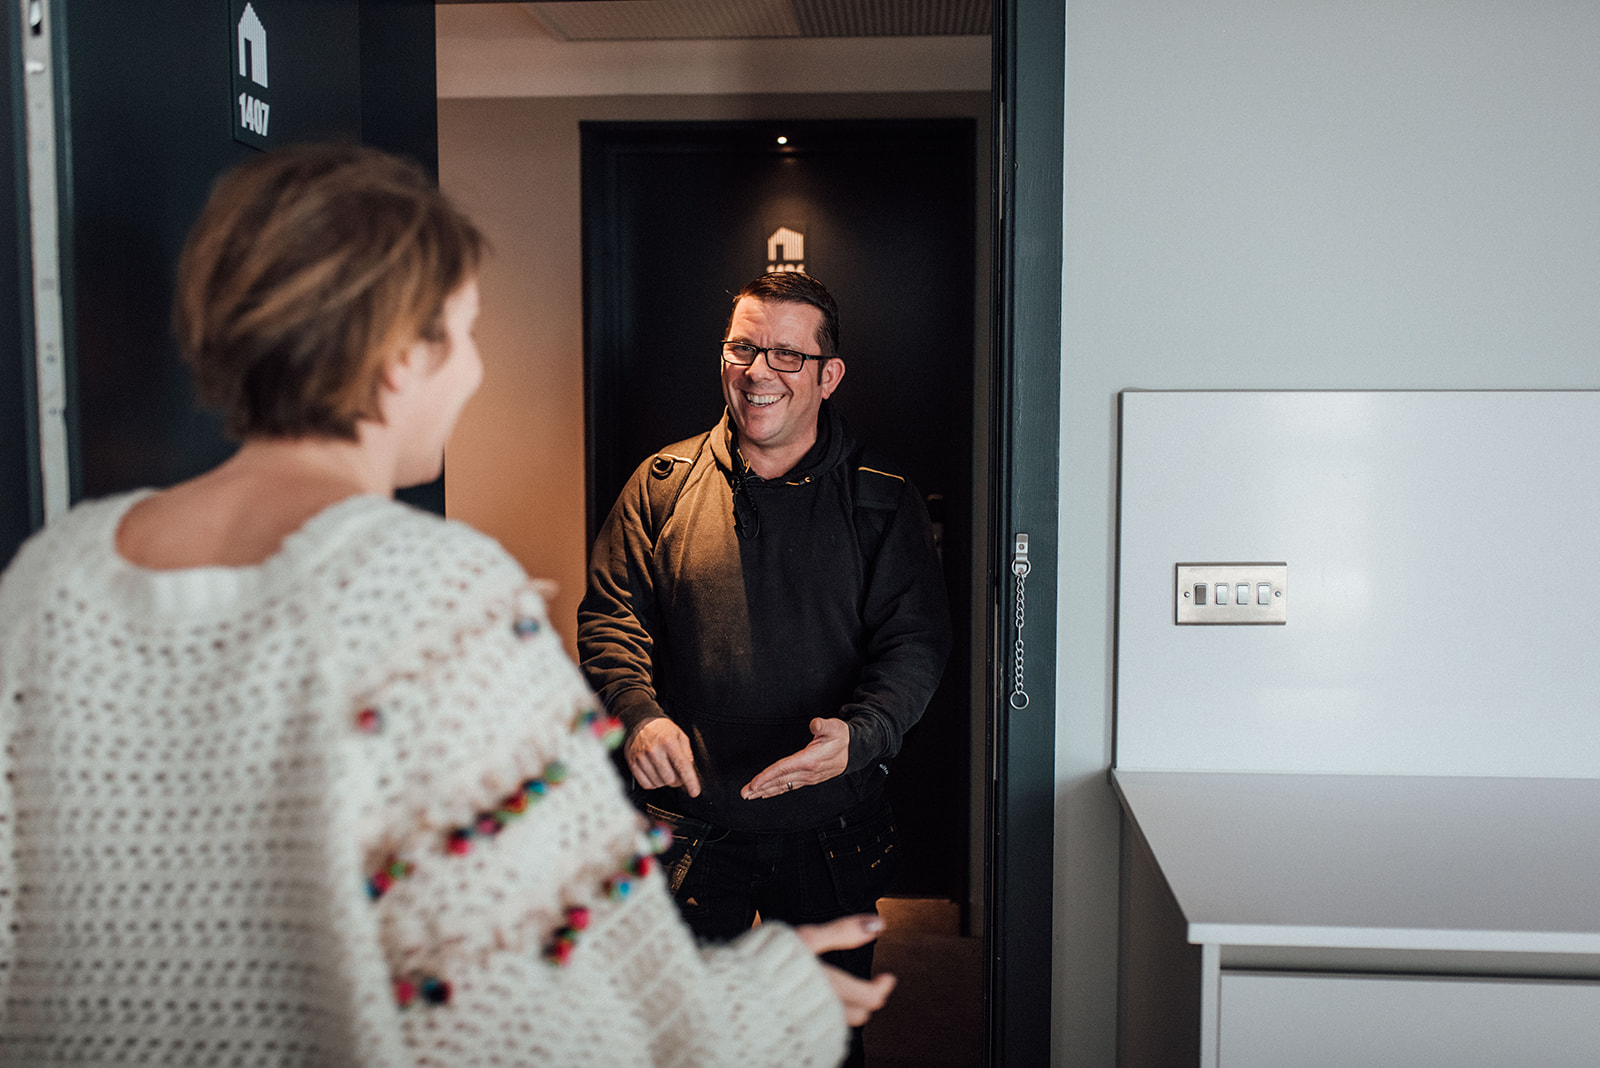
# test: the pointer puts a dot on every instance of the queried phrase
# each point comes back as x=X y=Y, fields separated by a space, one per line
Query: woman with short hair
x=298 y=775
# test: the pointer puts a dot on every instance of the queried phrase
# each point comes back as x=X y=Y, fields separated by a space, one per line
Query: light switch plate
x=1197 y=603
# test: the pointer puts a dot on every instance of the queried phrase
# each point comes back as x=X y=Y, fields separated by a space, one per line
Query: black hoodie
x=744 y=629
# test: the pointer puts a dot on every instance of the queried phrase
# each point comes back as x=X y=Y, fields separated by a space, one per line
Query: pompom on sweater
x=349 y=807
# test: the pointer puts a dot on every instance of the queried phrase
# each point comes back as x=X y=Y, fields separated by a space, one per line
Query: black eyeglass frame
x=767 y=353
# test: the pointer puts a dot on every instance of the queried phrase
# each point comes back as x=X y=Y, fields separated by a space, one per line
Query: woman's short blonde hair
x=309 y=269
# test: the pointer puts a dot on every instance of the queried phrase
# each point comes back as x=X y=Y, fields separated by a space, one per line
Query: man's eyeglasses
x=786 y=360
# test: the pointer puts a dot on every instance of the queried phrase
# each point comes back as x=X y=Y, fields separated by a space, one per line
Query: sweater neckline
x=199 y=592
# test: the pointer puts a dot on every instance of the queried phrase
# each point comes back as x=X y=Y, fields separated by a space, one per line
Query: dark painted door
x=152 y=121
x=678 y=216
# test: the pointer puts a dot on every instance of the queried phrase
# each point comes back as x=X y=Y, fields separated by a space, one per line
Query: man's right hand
x=659 y=755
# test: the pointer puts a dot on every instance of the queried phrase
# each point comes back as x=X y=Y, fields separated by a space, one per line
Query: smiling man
x=766 y=613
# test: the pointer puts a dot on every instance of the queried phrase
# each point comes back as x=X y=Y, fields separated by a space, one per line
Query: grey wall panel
x=1441 y=586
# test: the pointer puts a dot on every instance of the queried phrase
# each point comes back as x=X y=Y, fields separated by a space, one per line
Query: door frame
x=1029 y=122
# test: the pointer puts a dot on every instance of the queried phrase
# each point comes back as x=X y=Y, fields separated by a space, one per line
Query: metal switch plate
x=1198 y=584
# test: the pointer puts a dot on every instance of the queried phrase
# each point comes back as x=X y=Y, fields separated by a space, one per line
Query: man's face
x=776 y=413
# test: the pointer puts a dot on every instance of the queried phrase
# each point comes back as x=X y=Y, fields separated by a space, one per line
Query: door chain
x=1020 y=567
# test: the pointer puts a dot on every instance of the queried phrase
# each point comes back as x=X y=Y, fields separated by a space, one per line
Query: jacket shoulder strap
x=668 y=472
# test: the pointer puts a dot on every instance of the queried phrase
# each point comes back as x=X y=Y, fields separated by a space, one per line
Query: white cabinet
x=1361 y=921
x=1273 y=1020
x=1370 y=835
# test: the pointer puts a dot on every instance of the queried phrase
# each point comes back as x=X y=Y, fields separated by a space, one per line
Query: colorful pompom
x=558 y=952
x=430 y=989
x=381 y=880
x=611 y=732
x=608 y=729
x=489 y=824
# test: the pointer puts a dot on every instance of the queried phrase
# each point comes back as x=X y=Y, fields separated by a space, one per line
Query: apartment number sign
x=252 y=81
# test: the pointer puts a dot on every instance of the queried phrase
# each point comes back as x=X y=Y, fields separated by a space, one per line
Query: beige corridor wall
x=515 y=467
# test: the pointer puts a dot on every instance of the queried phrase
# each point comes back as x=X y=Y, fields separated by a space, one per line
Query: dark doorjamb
x=1029 y=101
x=21 y=489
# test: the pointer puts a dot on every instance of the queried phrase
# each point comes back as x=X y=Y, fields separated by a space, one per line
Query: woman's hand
x=860 y=997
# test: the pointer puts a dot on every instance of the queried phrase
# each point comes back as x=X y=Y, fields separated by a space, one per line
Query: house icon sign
x=786 y=250
x=254 y=112
x=252 y=47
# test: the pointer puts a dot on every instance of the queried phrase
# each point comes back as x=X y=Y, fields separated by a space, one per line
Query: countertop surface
x=1375 y=861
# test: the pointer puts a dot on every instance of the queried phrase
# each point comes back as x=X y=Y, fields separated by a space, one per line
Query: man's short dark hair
x=794 y=287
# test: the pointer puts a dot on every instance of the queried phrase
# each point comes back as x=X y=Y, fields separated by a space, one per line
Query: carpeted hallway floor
x=934 y=1019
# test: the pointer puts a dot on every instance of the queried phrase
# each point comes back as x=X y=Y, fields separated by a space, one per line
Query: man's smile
x=775 y=412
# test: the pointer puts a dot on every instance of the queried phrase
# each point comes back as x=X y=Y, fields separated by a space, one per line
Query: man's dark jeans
x=722 y=878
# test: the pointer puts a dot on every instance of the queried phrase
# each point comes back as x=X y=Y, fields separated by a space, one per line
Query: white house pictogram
x=786 y=250
x=252 y=47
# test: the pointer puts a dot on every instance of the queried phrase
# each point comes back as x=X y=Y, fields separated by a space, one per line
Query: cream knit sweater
x=348 y=807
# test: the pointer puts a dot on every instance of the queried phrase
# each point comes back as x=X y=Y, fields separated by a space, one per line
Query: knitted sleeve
x=519 y=910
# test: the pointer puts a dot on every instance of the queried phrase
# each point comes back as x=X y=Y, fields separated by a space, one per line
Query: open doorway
x=511 y=155
x=677 y=216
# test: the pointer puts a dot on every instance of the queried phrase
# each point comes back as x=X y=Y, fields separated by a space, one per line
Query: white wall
x=1388 y=194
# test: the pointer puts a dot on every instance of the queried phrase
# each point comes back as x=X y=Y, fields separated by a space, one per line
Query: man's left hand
x=827 y=756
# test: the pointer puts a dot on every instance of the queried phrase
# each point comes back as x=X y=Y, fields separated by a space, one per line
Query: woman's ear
x=408 y=363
